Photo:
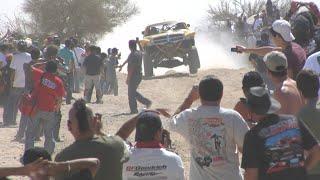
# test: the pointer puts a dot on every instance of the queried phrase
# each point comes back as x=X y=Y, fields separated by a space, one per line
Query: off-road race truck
x=169 y=44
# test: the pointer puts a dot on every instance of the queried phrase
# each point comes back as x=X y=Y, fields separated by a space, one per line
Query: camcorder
x=166 y=139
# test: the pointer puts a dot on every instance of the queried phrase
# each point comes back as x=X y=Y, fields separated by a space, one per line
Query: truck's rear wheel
x=148 y=65
x=194 y=61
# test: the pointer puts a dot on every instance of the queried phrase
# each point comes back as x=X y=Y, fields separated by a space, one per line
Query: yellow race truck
x=169 y=44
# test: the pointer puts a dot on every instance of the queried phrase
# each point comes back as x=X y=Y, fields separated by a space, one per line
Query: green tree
x=87 y=19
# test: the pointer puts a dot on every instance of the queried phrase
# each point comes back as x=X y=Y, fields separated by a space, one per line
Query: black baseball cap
x=147 y=126
x=34 y=154
x=260 y=102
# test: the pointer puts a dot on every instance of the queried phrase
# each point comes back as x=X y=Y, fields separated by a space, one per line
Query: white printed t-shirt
x=79 y=55
x=214 y=133
x=257 y=24
x=313 y=64
x=153 y=164
x=17 y=63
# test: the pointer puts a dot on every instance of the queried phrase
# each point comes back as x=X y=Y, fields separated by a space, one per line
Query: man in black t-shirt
x=274 y=149
x=134 y=78
x=93 y=67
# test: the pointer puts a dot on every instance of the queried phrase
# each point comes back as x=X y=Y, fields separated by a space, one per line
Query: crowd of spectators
x=274 y=127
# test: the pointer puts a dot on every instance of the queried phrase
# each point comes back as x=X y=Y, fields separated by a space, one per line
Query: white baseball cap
x=283 y=27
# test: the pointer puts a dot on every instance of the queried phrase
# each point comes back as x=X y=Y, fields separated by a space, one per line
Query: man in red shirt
x=48 y=93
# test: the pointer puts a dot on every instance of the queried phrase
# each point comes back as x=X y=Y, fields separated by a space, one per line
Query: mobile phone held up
x=235 y=50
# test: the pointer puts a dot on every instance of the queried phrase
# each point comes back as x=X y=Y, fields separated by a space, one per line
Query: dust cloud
x=212 y=54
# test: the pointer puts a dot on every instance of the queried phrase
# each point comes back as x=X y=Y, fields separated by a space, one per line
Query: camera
x=98 y=116
x=235 y=50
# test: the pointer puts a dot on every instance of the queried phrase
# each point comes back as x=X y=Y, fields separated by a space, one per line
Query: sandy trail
x=166 y=92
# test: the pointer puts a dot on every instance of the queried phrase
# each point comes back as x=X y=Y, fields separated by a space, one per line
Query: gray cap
x=276 y=61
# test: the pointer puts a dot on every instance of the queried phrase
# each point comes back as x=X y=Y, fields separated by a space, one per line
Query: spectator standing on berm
x=312 y=63
x=286 y=91
x=283 y=39
x=79 y=55
x=215 y=134
x=35 y=56
x=149 y=158
x=11 y=107
x=134 y=78
x=250 y=79
x=93 y=67
x=274 y=149
x=308 y=85
x=112 y=64
x=68 y=59
x=48 y=92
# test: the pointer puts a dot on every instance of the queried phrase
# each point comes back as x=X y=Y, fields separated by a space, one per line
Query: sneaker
x=148 y=105
x=58 y=139
x=99 y=102
x=134 y=112
x=18 y=138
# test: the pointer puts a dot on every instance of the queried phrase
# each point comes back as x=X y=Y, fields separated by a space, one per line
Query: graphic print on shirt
x=147 y=172
x=209 y=138
x=283 y=146
x=49 y=84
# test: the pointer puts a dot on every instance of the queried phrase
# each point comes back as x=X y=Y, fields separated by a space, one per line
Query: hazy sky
x=11 y=6
x=151 y=11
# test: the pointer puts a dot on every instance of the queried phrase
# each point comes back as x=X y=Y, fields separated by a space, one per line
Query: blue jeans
x=48 y=120
x=22 y=126
x=134 y=95
x=10 y=110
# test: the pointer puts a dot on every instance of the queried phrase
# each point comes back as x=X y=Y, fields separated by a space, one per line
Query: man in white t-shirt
x=257 y=23
x=313 y=63
x=148 y=159
x=18 y=76
x=79 y=55
x=215 y=134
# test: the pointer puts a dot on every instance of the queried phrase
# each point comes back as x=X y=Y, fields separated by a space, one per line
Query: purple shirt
x=296 y=58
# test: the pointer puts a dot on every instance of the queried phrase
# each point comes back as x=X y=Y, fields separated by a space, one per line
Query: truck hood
x=171 y=32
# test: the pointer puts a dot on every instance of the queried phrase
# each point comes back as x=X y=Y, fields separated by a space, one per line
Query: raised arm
x=192 y=96
x=127 y=128
x=313 y=157
x=122 y=65
x=23 y=170
x=262 y=51
x=55 y=168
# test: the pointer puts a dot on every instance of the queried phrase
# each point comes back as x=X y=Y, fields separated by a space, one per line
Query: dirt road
x=166 y=92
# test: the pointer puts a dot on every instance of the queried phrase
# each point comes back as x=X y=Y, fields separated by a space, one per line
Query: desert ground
x=165 y=92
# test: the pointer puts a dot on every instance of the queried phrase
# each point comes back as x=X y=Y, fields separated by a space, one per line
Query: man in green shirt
x=110 y=150
x=308 y=85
